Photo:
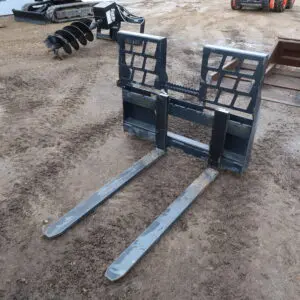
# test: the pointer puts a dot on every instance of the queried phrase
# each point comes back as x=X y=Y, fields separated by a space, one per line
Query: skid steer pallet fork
x=146 y=107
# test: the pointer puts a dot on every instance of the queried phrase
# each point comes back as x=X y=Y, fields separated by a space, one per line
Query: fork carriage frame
x=146 y=103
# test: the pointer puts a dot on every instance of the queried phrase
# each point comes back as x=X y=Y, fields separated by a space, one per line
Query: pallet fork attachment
x=147 y=104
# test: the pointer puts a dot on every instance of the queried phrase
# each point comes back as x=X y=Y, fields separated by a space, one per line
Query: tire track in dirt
x=49 y=107
x=232 y=239
x=17 y=93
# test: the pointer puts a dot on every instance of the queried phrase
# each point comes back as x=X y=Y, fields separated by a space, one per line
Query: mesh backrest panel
x=225 y=82
x=142 y=59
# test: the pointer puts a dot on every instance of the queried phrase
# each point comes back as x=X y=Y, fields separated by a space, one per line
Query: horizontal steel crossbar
x=230 y=160
x=198 y=116
x=182 y=89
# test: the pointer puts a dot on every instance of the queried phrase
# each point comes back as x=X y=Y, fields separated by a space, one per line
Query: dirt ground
x=61 y=139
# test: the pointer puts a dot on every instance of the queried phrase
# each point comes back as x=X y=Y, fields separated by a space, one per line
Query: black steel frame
x=147 y=104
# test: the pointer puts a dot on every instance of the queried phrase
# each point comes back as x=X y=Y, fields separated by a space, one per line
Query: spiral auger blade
x=85 y=29
x=55 y=42
x=71 y=36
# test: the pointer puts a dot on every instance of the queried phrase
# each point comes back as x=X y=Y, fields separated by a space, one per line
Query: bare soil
x=61 y=139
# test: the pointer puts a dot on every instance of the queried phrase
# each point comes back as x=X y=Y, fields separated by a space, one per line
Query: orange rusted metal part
x=286 y=52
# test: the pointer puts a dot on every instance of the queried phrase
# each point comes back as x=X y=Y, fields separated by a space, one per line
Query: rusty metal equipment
x=107 y=16
x=282 y=78
x=286 y=52
x=231 y=111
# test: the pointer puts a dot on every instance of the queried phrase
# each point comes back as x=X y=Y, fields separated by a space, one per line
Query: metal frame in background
x=146 y=107
x=286 y=52
x=121 y=15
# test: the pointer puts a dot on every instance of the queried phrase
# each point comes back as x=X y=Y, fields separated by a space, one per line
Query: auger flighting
x=107 y=16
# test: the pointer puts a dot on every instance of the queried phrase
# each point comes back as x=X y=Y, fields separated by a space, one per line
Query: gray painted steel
x=85 y=207
x=236 y=89
x=152 y=234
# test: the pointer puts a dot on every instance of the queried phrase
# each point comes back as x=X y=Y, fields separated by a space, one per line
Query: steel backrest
x=143 y=64
x=232 y=87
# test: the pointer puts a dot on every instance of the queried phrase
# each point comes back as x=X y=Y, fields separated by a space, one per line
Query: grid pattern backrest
x=142 y=59
x=225 y=82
